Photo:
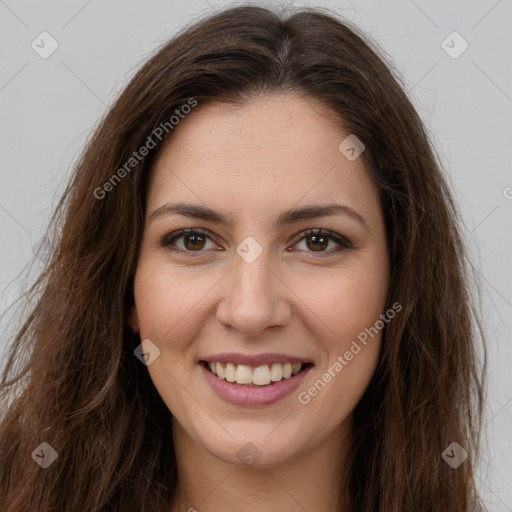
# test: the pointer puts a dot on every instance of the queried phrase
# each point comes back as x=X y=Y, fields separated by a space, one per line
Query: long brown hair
x=71 y=377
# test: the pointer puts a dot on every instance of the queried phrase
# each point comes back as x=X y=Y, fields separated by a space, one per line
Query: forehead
x=283 y=124
x=268 y=153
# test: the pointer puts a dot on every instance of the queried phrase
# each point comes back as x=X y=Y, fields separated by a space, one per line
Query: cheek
x=168 y=302
x=349 y=307
x=346 y=302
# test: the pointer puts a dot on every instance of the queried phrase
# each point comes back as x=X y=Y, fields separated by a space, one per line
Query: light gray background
x=48 y=107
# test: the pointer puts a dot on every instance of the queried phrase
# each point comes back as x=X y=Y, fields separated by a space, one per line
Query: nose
x=254 y=297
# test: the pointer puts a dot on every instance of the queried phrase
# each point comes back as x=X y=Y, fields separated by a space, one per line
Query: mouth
x=262 y=376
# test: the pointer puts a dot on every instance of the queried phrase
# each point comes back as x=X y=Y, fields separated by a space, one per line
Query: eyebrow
x=196 y=211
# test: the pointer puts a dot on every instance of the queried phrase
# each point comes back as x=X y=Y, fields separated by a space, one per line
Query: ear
x=133 y=319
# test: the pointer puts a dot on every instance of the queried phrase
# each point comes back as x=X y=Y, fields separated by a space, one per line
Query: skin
x=251 y=163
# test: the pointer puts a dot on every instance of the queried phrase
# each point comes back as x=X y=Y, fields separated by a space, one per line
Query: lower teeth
x=253 y=385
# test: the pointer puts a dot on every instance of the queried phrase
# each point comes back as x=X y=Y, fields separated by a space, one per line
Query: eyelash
x=343 y=243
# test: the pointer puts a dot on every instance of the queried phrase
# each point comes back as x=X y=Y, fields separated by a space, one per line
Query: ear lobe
x=133 y=320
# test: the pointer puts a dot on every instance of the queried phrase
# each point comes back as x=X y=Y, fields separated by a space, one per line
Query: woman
x=258 y=293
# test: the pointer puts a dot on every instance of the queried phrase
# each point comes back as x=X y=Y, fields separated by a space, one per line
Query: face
x=253 y=290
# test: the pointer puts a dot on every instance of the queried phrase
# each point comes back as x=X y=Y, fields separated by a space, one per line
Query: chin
x=261 y=446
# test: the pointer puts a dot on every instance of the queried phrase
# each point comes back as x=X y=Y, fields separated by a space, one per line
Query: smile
x=245 y=375
x=251 y=382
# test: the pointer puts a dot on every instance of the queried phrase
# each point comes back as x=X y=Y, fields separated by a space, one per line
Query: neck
x=311 y=481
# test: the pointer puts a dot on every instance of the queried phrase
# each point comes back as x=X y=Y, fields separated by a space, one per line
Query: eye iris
x=317 y=239
x=317 y=242
x=194 y=237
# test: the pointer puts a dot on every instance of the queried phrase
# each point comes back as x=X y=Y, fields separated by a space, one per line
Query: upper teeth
x=260 y=376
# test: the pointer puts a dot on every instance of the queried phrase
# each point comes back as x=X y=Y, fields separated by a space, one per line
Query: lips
x=254 y=380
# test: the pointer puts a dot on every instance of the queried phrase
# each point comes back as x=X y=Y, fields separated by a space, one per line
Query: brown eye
x=317 y=242
x=194 y=241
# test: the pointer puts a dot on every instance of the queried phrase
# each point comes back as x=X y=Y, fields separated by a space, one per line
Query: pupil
x=316 y=239
x=195 y=241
